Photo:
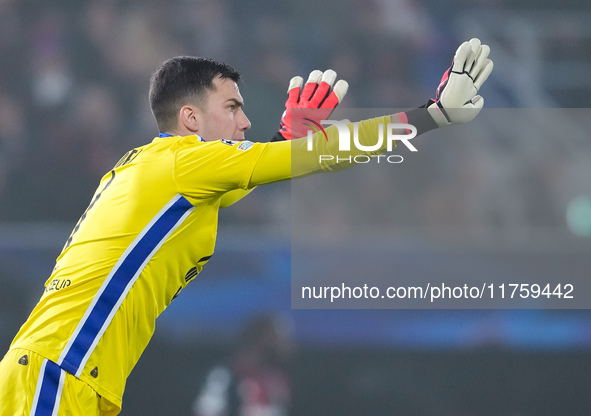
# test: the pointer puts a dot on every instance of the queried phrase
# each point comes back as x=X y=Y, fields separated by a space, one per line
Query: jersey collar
x=172 y=135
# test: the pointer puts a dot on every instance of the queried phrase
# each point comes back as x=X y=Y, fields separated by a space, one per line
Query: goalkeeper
x=151 y=225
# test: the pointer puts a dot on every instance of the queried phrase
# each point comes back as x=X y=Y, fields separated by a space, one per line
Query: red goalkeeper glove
x=318 y=94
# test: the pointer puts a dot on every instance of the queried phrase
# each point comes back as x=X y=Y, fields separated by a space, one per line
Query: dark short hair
x=184 y=80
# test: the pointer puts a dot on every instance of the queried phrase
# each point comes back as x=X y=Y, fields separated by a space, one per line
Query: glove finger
x=475 y=42
x=323 y=89
x=319 y=95
x=460 y=57
x=483 y=74
x=329 y=77
x=337 y=94
x=293 y=91
x=311 y=84
x=475 y=45
x=483 y=53
x=340 y=89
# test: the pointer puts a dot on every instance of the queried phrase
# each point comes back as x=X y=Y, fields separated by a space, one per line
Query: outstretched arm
x=456 y=102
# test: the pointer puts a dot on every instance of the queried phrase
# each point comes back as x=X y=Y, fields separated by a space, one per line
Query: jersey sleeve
x=294 y=159
x=202 y=170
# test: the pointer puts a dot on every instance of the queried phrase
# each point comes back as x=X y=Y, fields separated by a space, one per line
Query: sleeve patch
x=245 y=145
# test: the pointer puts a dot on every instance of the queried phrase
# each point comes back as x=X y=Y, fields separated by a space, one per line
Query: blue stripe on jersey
x=119 y=282
x=49 y=390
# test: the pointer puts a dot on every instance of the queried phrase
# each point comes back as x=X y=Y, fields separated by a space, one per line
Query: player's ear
x=189 y=117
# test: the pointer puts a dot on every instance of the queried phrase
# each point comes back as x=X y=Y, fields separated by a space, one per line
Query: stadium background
x=73 y=99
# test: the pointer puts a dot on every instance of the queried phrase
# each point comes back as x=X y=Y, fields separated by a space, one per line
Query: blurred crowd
x=74 y=78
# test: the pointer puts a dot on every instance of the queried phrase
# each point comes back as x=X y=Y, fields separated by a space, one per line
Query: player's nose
x=243 y=122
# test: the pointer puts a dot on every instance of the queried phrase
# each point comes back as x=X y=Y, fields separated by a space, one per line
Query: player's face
x=223 y=116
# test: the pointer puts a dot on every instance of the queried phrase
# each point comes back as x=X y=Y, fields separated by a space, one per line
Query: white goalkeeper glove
x=457 y=101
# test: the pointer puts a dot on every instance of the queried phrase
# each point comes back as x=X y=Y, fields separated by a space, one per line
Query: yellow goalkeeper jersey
x=148 y=231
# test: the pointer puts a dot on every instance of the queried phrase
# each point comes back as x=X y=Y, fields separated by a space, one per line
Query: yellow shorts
x=31 y=385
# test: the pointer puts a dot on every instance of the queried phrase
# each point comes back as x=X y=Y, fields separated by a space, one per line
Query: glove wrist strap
x=421 y=119
x=438 y=113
